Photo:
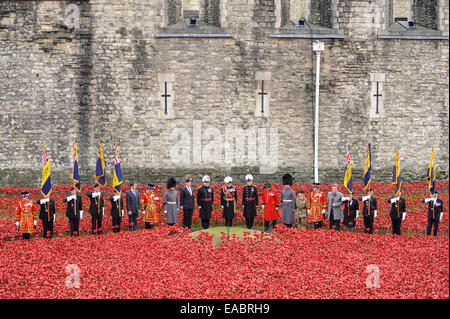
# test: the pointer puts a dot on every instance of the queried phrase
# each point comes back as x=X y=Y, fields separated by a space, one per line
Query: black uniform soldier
x=187 y=202
x=351 y=211
x=397 y=213
x=205 y=201
x=117 y=211
x=96 y=208
x=369 y=214
x=435 y=212
x=47 y=215
x=249 y=201
x=228 y=200
x=74 y=214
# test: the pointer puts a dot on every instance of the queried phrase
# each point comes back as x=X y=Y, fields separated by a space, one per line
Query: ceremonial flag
x=396 y=175
x=431 y=174
x=75 y=174
x=367 y=169
x=348 y=172
x=117 y=178
x=46 y=185
x=99 y=176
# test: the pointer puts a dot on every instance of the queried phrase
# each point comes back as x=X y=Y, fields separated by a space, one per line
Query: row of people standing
x=293 y=207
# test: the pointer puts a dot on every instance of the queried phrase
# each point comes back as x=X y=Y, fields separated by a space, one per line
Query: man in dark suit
x=96 y=209
x=187 y=202
x=370 y=211
x=117 y=210
x=435 y=212
x=74 y=211
x=47 y=215
x=133 y=206
x=397 y=212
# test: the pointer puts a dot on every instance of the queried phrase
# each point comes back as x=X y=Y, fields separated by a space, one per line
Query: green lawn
x=217 y=232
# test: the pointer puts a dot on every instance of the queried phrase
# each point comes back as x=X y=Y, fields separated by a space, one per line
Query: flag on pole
x=117 y=178
x=46 y=185
x=367 y=169
x=431 y=174
x=75 y=174
x=396 y=175
x=348 y=172
x=99 y=176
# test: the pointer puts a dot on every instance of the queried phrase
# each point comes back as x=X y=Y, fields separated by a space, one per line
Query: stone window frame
x=278 y=17
x=221 y=7
x=389 y=14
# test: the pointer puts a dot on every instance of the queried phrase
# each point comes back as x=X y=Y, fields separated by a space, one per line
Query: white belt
x=171 y=202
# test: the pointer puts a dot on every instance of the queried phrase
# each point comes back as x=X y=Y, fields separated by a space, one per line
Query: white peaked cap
x=228 y=179
x=248 y=177
x=205 y=179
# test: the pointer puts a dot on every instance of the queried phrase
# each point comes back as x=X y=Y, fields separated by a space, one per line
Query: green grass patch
x=217 y=232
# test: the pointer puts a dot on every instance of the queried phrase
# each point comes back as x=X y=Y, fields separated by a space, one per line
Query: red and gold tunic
x=149 y=202
x=26 y=214
x=317 y=202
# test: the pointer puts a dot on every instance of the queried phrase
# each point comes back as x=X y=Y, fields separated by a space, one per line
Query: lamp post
x=318 y=47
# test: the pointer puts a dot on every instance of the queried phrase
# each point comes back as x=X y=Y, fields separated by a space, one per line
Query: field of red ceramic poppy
x=167 y=263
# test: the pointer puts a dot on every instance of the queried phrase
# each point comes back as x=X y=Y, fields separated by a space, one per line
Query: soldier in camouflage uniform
x=300 y=211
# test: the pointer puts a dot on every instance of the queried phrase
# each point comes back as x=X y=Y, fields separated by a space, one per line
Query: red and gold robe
x=149 y=203
x=271 y=201
x=317 y=202
x=26 y=214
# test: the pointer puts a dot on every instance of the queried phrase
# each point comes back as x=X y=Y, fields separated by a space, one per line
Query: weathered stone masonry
x=59 y=84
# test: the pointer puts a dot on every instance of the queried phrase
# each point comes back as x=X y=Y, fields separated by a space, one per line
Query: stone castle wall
x=59 y=84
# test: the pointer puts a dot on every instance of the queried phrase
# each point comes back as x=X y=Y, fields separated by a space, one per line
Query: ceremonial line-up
x=294 y=207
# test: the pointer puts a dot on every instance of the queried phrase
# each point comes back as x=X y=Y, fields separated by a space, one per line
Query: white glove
x=276 y=208
x=143 y=212
x=69 y=198
x=375 y=215
x=428 y=199
x=199 y=207
x=323 y=211
x=165 y=212
x=81 y=214
x=365 y=198
x=17 y=224
x=35 y=222
x=123 y=212
x=357 y=213
x=156 y=198
x=440 y=218
x=262 y=206
x=43 y=201
x=221 y=206
x=308 y=211
x=116 y=197
x=345 y=199
x=404 y=216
